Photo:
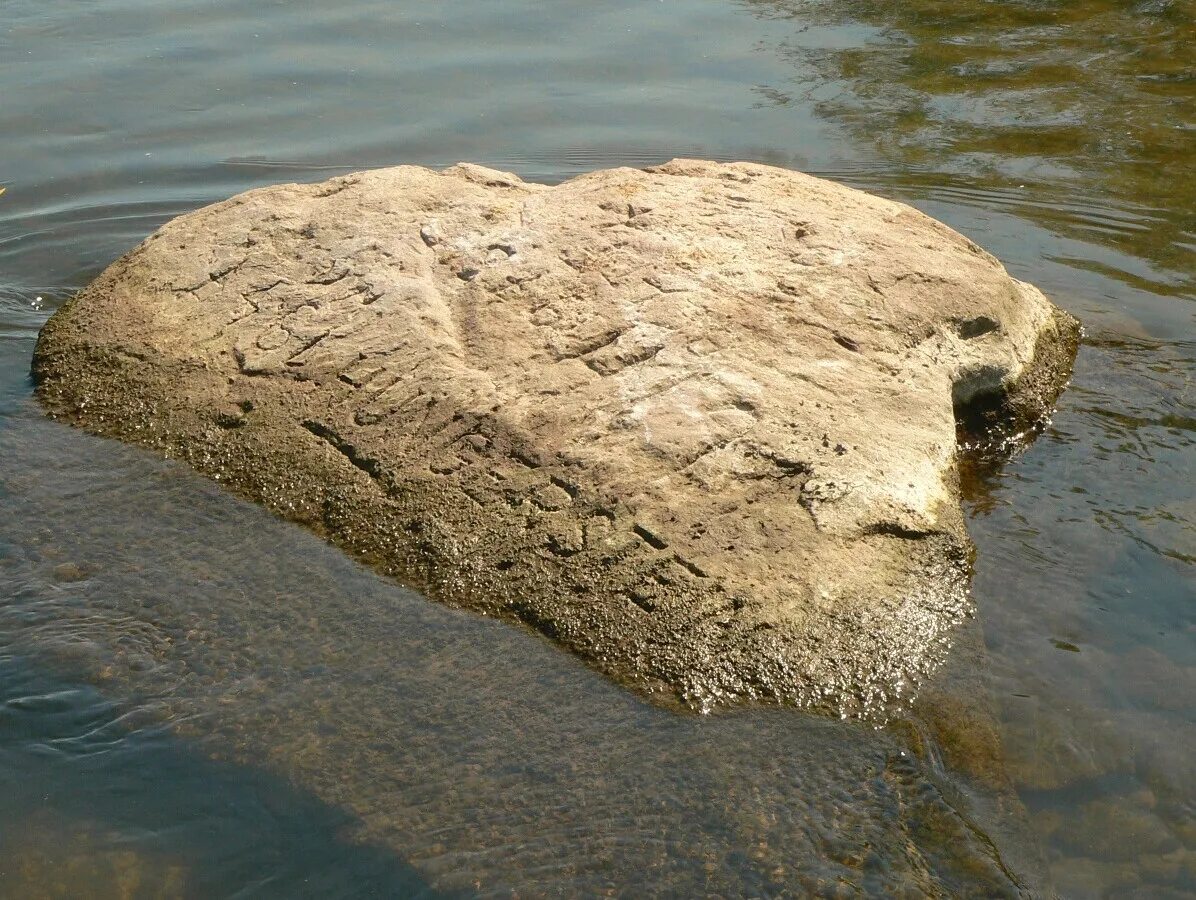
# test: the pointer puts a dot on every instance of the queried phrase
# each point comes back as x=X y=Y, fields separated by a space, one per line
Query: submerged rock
x=696 y=423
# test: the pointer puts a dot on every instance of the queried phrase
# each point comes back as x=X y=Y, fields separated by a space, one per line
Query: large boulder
x=696 y=423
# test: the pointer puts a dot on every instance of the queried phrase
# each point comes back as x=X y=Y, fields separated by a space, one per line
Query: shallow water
x=200 y=701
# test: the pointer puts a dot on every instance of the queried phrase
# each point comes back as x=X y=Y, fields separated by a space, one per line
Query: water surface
x=200 y=701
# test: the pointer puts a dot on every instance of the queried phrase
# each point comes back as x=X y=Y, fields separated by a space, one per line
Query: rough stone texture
x=695 y=423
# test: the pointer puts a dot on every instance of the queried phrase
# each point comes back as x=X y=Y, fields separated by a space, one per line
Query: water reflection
x=1079 y=114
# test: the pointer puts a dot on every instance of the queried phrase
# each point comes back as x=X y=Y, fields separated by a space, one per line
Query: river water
x=197 y=700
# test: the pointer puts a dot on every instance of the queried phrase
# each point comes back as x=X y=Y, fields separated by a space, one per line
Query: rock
x=70 y=572
x=696 y=423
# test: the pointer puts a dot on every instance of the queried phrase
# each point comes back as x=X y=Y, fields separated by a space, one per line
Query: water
x=196 y=700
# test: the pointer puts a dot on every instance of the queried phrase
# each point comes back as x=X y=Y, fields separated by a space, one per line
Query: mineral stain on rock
x=696 y=423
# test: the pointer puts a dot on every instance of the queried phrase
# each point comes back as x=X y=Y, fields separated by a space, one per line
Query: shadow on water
x=98 y=800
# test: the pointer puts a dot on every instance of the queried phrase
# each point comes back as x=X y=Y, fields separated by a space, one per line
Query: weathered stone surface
x=695 y=423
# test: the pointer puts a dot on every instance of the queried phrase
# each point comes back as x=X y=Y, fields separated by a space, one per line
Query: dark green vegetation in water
x=199 y=700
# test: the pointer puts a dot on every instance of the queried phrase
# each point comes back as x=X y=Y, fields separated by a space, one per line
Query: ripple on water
x=1083 y=107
